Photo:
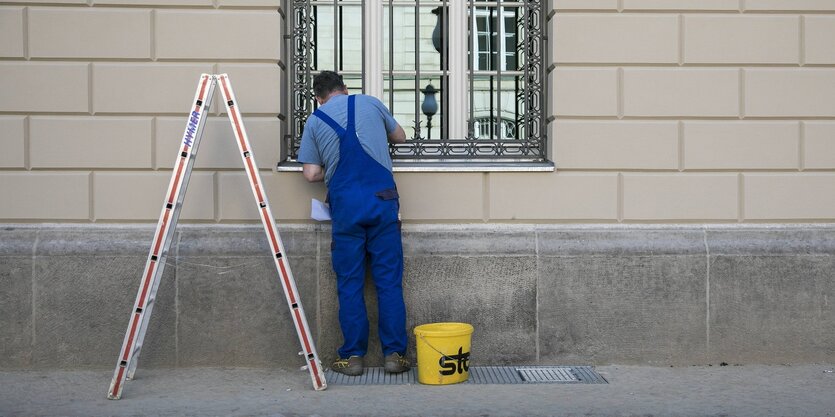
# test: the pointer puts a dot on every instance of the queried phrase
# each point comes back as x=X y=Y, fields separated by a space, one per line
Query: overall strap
x=332 y=123
x=351 y=107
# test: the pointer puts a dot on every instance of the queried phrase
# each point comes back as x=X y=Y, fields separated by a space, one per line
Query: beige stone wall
x=663 y=111
x=689 y=110
x=92 y=104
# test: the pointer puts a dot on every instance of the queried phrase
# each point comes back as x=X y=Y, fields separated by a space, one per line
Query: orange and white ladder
x=141 y=313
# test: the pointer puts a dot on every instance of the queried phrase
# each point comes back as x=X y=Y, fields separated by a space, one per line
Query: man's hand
x=398 y=136
x=313 y=172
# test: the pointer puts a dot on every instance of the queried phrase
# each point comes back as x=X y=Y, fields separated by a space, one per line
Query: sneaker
x=395 y=363
x=352 y=366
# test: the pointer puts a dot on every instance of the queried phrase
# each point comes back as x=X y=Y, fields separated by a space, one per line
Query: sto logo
x=455 y=363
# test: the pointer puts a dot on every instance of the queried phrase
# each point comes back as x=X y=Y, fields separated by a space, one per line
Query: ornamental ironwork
x=524 y=134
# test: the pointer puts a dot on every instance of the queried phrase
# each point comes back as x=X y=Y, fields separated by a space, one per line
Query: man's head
x=327 y=84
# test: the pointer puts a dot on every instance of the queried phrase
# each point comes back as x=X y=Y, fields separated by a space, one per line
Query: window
x=495 y=42
x=464 y=78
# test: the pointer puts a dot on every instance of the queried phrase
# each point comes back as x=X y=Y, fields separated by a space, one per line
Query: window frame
x=462 y=151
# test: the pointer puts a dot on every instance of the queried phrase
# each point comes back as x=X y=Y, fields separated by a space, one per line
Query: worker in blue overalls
x=345 y=144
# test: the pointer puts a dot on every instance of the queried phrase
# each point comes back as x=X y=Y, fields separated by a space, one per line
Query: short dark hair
x=327 y=82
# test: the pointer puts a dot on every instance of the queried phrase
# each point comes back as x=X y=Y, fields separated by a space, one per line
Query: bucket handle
x=433 y=347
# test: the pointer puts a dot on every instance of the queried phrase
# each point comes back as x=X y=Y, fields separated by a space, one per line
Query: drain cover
x=551 y=374
x=481 y=375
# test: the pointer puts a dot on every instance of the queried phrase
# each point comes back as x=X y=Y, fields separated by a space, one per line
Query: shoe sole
x=349 y=373
x=396 y=369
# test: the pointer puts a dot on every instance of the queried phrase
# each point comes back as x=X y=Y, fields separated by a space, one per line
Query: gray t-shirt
x=320 y=143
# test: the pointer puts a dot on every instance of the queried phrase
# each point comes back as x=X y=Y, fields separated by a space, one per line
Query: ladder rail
x=205 y=100
x=132 y=343
x=155 y=265
x=288 y=283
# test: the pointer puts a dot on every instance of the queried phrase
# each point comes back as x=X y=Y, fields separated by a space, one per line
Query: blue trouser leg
x=386 y=252
x=348 y=258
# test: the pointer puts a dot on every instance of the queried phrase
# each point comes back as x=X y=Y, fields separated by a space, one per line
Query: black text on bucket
x=459 y=363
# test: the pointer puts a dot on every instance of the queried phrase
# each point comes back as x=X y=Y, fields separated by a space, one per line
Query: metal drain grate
x=481 y=375
x=553 y=374
x=372 y=376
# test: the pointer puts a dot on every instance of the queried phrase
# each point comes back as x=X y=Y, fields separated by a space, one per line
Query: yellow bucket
x=443 y=352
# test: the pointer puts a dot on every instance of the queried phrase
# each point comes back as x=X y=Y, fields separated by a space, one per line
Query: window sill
x=449 y=166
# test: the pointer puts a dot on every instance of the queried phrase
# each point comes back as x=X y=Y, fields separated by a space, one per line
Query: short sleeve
x=388 y=119
x=308 y=151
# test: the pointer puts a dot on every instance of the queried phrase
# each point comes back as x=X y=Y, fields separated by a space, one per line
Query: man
x=345 y=144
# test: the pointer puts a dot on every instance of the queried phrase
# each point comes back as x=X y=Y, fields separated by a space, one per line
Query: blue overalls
x=364 y=205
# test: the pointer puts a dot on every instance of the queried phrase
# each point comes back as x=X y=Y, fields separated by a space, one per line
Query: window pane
x=399 y=28
x=515 y=27
x=323 y=33
x=350 y=45
x=353 y=82
x=408 y=105
x=496 y=31
x=344 y=31
x=497 y=107
x=510 y=47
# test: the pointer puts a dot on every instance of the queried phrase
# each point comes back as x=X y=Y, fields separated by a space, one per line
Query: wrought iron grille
x=499 y=132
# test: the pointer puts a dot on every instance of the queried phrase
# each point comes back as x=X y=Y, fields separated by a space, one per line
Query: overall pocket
x=389 y=194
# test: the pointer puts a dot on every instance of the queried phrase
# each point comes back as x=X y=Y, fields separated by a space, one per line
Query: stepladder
x=172 y=204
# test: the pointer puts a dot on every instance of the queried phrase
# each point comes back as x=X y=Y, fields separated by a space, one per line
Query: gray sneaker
x=352 y=366
x=396 y=364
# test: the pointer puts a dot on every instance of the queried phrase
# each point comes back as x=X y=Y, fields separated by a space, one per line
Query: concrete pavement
x=749 y=390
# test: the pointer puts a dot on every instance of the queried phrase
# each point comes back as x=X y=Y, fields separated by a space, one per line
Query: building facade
x=690 y=202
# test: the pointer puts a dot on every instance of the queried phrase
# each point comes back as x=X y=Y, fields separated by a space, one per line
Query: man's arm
x=398 y=135
x=313 y=172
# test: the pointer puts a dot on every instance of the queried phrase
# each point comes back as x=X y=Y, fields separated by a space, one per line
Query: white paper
x=319 y=211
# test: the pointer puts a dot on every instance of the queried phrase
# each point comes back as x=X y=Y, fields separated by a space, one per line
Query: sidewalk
x=750 y=390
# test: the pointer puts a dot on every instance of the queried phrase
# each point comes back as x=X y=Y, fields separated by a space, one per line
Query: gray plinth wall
x=534 y=293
